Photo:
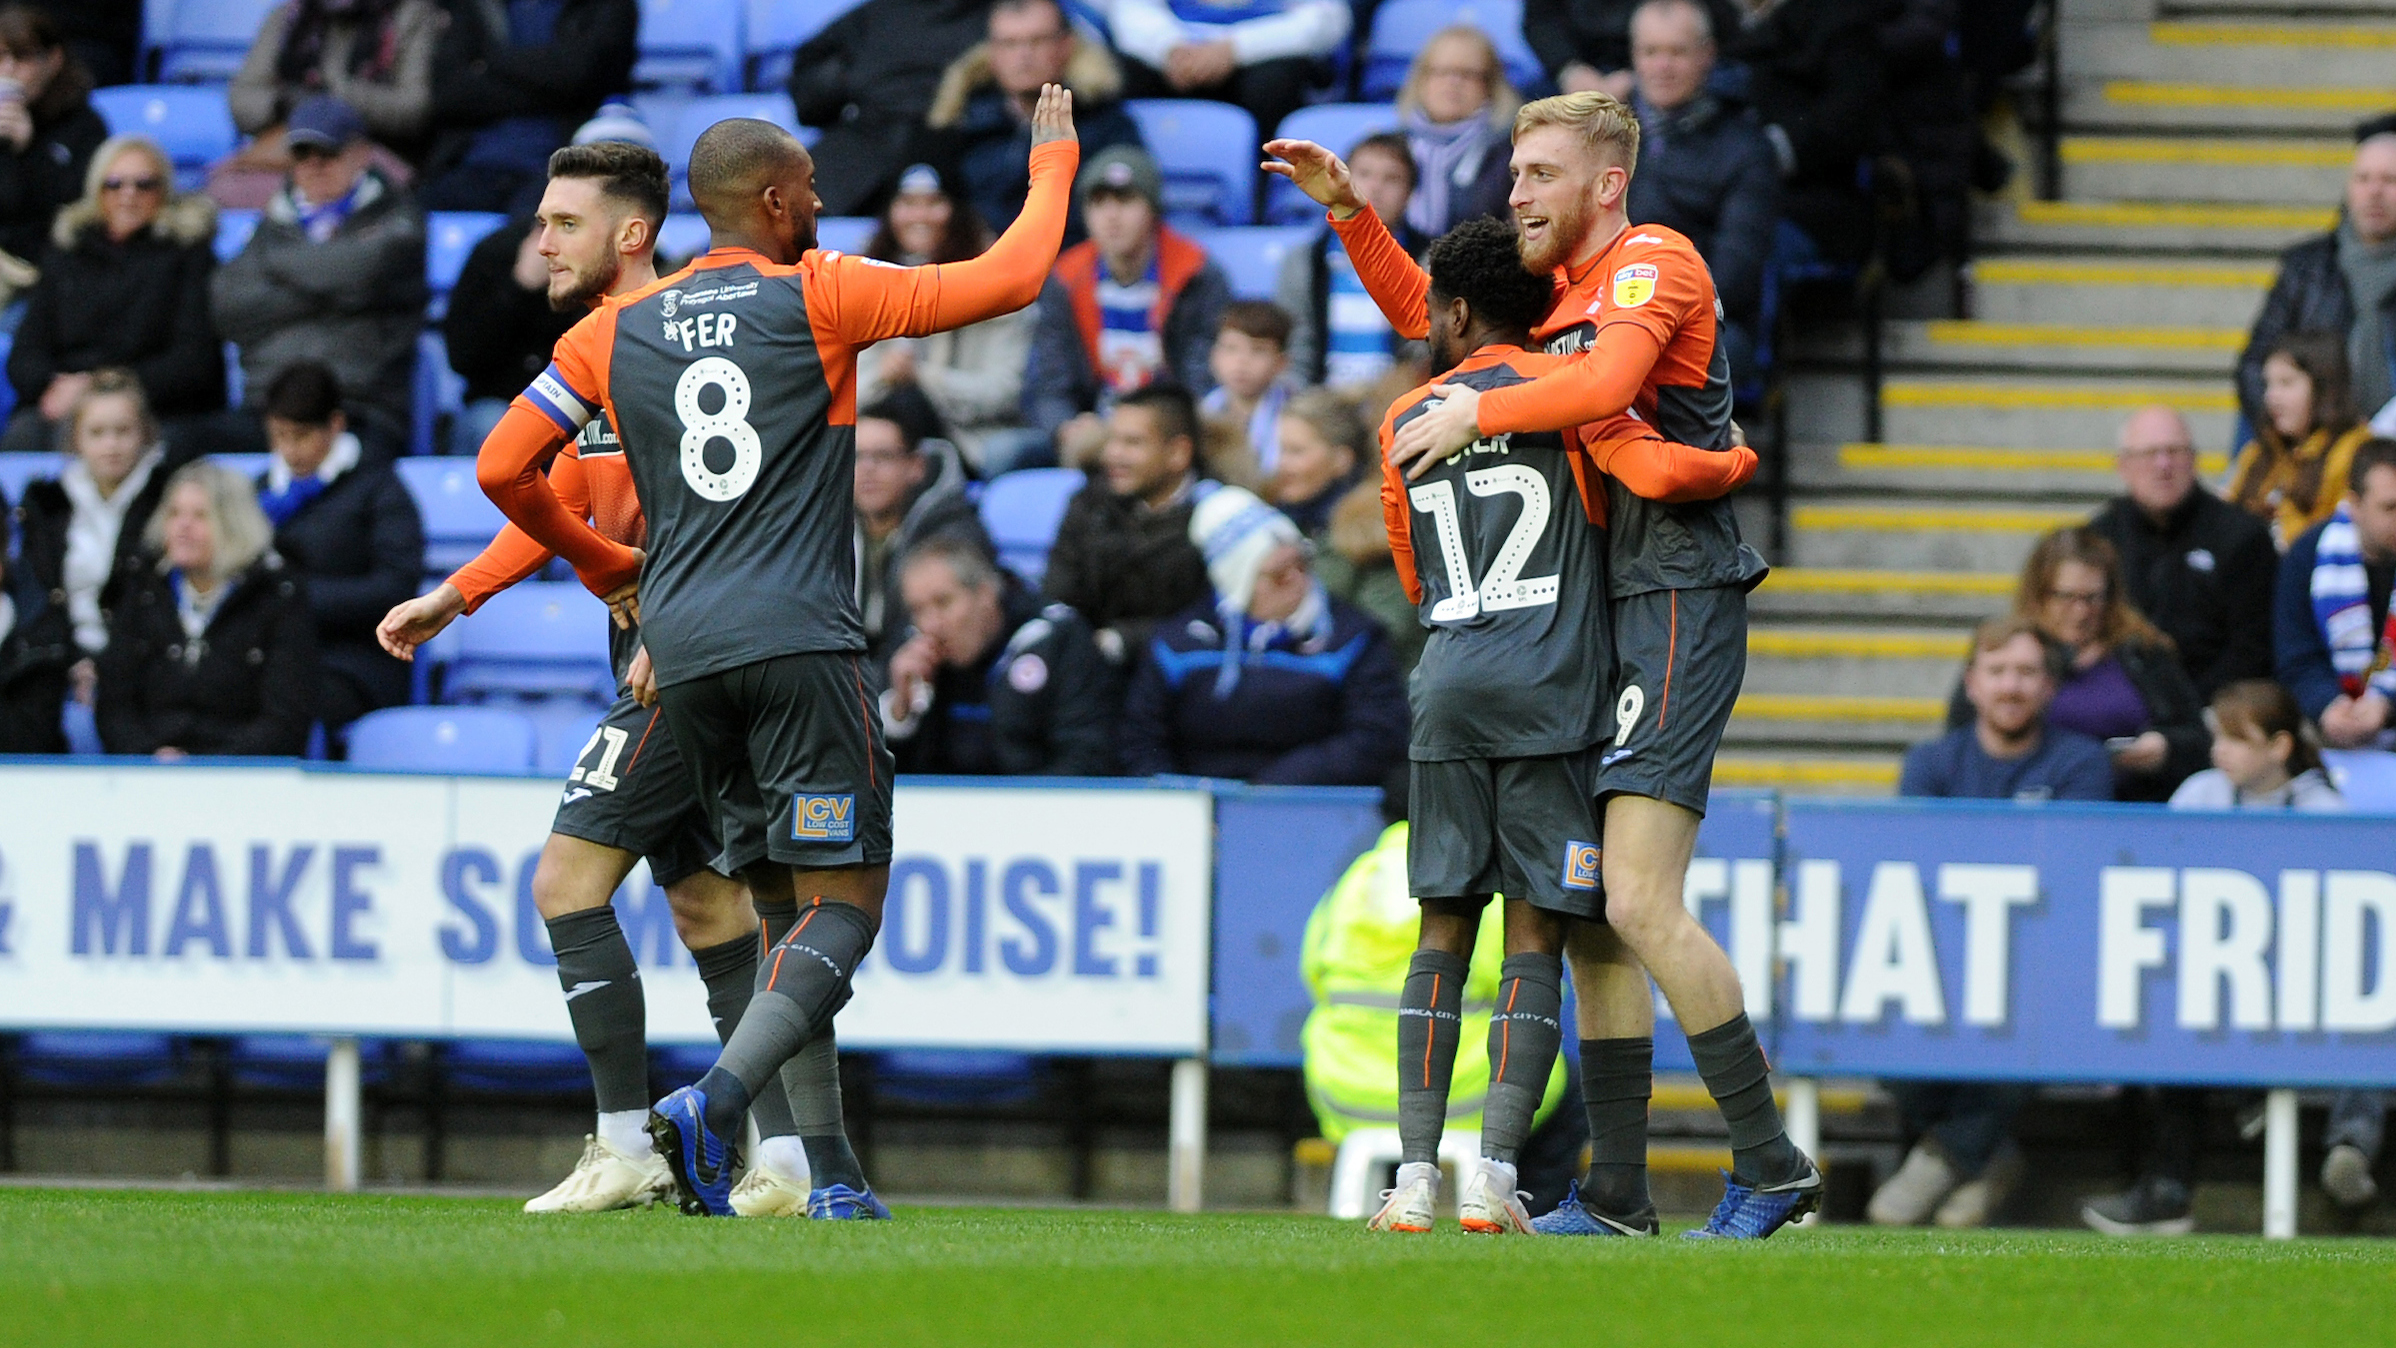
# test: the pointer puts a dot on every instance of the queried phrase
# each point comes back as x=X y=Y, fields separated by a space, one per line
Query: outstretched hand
x=1444 y=427
x=1315 y=171
x=419 y=620
x=1052 y=117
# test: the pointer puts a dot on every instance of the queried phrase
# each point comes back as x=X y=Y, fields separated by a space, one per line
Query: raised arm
x=1397 y=285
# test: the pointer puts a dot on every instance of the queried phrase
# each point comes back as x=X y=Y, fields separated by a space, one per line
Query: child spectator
x=1338 y=336
x=1243 y=415
x=2292 y=473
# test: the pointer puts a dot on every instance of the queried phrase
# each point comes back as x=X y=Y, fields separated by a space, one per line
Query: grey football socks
x=1617 y=1080
x=801 y=982
x=1733 y=1065
x=811 y=1083
x=604 y=1001
x=1430 y=1020
x=1526 y=1029
x=730 y=973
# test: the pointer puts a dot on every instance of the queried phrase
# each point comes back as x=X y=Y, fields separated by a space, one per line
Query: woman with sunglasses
x=123 y=285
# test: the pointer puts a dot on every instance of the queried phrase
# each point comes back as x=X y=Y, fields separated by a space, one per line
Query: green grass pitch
x=159 y=1269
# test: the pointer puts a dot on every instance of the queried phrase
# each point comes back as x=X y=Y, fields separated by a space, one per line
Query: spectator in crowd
x=1586 y=44
x=212 y=650
x=2342 y=282
x=2290 y=475
x=1123 y=557
x=910 y=489
x=510 y=84
x=105 y=35
x=868 y=79
x=334 y=273
x=972 y=376
x=124 y=285
x=500 y=329
x=375 y=55
x=1260 y=54
x=1457 y=108
x=1352 y=560
x=1323 y=445
x=992 y=681
x=2331 y=642
x=1705 y=168
x=1963 y=1166
x=1269 y=680
x=48 y=134
x=1933 y=151
x=1243 y=415
x=349 y=530
x=33 y=665
x=2198 y=567
x=1136 y=303
x=2261 y=761
x=1337 y=334
x=1816 y=86
x=982 y=114
x=79 y=534
x=2122 y=682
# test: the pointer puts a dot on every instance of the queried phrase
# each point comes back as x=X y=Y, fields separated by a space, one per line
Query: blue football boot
x=1754 y=1214
x=1573 y=1218
x=702 y=1162
x=840 y=1203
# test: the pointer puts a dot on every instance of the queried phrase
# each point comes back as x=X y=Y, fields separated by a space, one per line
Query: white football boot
x=764 y=1193
x=606 y=1179
x=1488 y=1204
x=1409 y=1206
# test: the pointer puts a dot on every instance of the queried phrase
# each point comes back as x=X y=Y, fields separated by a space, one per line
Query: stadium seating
x=439 y=391
x=191 y=123
x=103 y=1058
x=1401 y=28
x=233 y=231
x=449 y=238
x=200 y=41
x=487 y=740
x=778 y=28
x=1022 y=510
x=845 y=233
x=690 y=44
x=1334 y=126
x=1204 y=149
x=295 y=1062
x=17 y=470
x=535 y=640
x=560 y=733
x=1251 y=255
x=459 y=521
x=690 y=119
x=511 y=1066
x=682 y=237
x=955 y=1077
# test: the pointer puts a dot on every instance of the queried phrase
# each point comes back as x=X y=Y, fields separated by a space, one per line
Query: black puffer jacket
x=48 y=173
x=1124 y=566
x=251 y=689
x=38 y=578
x=1706 y=170
x=359 y=549
x=1812 y=75
x=1040 y=702
x=141 y=304
x=33 y=675
x=2310 y=294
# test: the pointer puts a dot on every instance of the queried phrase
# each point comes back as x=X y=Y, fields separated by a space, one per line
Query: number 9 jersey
x=1502 y=548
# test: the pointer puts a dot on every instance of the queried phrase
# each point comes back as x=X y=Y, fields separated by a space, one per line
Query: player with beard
x=732 y=385
x=629 y=795
x=1635 y=307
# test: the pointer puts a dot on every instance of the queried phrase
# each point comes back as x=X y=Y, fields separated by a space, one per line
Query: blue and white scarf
x=2342 y=609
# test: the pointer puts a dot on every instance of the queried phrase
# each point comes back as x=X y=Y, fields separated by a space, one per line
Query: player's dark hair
x=305 y=392
x=1176 y=411
x=732 y=157
x=1479 y=263
x=2377 y=452
x=632 y=174
x=1261 y=319
x=1392 y=143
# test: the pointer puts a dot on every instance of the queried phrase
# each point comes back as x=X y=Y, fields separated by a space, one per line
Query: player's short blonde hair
x=1605 y=123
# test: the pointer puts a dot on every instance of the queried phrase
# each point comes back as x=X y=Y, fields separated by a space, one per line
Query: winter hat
x=616 y=121
x=1236 y=532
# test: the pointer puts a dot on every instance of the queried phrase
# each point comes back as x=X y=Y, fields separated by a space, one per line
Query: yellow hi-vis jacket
x=1358 y=943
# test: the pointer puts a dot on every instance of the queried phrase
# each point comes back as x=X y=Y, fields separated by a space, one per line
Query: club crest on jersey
x=1580 y=865
x=823 y=818
x=1634 y=285
x=670 y=303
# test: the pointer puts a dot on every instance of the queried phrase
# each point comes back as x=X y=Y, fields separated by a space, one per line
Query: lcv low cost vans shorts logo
x=823 y=818
x=1580 y=865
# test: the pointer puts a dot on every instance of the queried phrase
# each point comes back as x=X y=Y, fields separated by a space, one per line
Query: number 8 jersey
x=1502 y=548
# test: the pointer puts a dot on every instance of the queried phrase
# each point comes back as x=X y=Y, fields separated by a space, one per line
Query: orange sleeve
x=1664 y=470
x=1397 y=510
x=1393 y=280
x=513 y=555
x=858 y=300
x=1598 y=384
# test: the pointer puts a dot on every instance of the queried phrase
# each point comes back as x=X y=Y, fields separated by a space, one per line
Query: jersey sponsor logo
x=1580 y=865
x=597 y=439
x=1575 y=339
x=1635 y=285
x=823 y=818
x=1028 y=673
x=670 y=302
x=719 y=294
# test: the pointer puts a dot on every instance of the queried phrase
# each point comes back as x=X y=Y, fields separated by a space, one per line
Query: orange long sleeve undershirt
x=514 y=554
x=1668 y=471
x=1596 y=385
x=509 y=469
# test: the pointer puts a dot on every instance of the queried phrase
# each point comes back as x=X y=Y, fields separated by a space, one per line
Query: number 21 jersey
x=1501 y=549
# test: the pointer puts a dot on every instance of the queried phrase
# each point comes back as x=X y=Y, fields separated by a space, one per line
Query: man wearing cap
x=1135 y=304
x=334 y=273
x=982 y=114
x=2343 y=282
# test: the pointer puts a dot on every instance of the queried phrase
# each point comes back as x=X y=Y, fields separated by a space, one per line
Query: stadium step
x=1864 y=595
x=2351 y=51
x=1847 y=774
x=1867 y=534
x=1949 y=470
x=2014 y=410
x=2156 y=289
x=2062 y=348
x=1834 y=720
x=1877 y=662
x=2252 y=169
x=2147 y=226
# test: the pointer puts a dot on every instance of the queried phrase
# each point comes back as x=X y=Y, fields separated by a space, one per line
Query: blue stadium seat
x=439 y=391
x=682 y=237
x=845 y=233
x=1402 y=28
x=8 y=391
x=516 y=1066
x=956 y=1077
x=538 y=639
x=2366 y=776
x=81 y=727
x=690 y=44
x=694 y=117
x=19 y=470
x=777 y=28
x=1022 y=510
x=191 y=123
x=1251 y=255
x=449 y=237
x=560 y=733
x=97 y=1058
x=459 y=521
x=485 y=740
x=233 y=231
x=1334 y=126
x=295 y=1062
x=1208 y=153
x=201 y=41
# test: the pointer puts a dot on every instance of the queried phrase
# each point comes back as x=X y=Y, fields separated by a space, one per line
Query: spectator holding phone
x=48 y=133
